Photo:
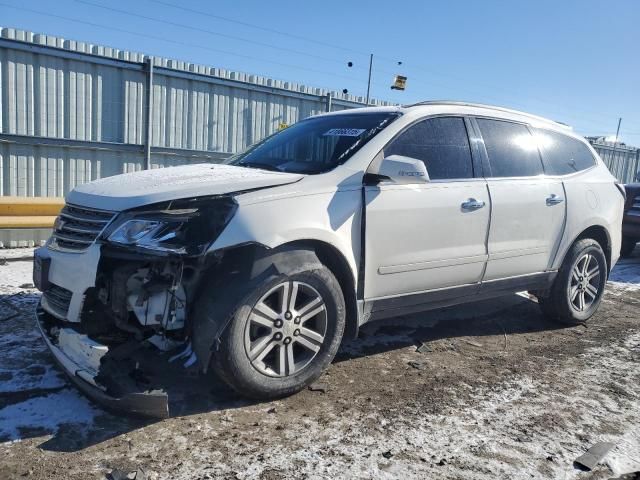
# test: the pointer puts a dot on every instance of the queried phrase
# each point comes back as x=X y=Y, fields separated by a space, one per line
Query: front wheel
x=578 y=288
x=283 y=334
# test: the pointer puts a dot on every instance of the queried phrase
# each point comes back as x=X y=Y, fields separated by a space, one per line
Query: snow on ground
x=8 y=253
x=496 y=435
x=625 y=275
x=554 y=410
x=26 y=366
x=46 y=413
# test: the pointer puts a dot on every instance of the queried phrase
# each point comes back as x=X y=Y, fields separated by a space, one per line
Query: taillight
x=621 y=190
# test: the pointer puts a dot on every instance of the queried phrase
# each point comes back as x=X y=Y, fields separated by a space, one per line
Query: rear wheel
x=578 y=288
x=628 y=246
x=284 y=332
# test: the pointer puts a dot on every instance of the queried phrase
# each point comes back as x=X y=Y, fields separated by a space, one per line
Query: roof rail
x=484 y=105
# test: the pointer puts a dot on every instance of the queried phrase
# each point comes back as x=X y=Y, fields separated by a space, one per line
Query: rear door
x=427 y=236
x=528 y=208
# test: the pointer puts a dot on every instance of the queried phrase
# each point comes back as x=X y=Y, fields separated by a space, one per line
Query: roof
x=488 y=107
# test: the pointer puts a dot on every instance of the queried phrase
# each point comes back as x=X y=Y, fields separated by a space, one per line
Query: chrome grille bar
x=78 y=227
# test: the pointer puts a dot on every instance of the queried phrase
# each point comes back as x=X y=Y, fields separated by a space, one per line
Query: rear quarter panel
x=592 y=199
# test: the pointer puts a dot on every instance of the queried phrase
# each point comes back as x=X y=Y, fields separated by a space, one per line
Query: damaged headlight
x=185 y=227
x=134 y=231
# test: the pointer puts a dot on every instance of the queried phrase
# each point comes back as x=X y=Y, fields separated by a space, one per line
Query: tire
x=628 y=246
x=562 y=302
x=259 y=323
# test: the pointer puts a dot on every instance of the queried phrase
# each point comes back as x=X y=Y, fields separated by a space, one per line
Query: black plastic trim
x=446 y=297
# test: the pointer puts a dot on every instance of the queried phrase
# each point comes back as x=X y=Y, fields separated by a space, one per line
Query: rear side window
x=441 y=143
x=511 y=148
x=561 y=154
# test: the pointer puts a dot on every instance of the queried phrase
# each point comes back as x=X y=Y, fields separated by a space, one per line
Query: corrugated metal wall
x=72 y=112
x=623 y=161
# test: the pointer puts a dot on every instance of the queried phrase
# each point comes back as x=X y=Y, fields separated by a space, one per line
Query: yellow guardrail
x=29 y=212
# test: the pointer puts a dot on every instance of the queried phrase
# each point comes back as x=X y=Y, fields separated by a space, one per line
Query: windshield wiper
x=260 y=165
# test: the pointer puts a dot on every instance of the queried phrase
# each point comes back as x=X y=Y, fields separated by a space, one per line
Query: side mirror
x=403 y=170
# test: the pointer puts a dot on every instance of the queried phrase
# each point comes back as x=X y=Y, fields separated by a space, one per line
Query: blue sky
x=573 y=61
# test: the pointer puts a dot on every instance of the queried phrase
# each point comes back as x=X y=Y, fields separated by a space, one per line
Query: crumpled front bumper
x=83 y=373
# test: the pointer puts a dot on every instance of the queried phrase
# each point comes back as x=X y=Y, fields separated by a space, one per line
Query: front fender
x=330 y=217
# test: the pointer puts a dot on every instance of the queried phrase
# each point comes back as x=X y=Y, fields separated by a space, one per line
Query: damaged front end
x=116 y=308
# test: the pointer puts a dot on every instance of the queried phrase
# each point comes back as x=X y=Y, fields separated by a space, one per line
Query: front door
x=428 y=236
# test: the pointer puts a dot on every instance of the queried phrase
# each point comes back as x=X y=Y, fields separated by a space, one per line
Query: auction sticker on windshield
x=345 y=132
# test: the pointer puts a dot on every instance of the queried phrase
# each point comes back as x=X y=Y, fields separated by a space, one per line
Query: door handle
x=472 y=204
x=554 y=200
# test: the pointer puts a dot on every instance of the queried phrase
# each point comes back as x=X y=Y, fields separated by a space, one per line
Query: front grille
x=78 y=227
x=58 y=298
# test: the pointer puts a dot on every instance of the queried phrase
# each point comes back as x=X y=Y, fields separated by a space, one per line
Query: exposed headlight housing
x=134 y=231
x=183 y=227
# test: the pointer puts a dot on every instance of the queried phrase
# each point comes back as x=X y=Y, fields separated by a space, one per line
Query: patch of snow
x=47 y=413
x=16 y=273
x=37 y=376
x=625 y=276
x=16 y=252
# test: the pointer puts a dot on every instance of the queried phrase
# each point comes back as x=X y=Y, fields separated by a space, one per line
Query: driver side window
x=441 y=143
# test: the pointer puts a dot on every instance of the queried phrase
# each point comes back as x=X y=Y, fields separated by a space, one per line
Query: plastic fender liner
x=209 y=326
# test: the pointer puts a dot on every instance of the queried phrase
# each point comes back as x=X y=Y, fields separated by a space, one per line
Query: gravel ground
x=495 y=392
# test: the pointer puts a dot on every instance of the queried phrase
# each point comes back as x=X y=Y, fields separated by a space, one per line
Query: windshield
x=314 y=145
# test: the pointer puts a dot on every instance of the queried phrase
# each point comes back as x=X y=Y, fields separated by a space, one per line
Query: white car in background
x=259 y=268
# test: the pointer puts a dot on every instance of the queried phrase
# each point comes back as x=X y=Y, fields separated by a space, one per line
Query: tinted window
x=315 y=145
x=561 y=154
x=441 y=143
x=511 y=148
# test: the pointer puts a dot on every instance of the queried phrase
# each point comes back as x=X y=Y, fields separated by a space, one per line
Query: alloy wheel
x=286 y=329
x=584 y=287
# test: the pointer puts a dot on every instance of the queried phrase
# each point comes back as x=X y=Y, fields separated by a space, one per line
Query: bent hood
x=130 y=190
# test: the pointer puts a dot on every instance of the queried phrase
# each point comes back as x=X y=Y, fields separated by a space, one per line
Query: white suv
x=259 y=268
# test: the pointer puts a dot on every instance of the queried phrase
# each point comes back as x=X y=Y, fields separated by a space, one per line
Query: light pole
x=350 y=64
x=369 y=80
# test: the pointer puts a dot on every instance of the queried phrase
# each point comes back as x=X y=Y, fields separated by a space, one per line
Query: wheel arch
x=245 y=263
x=334 y=260
x=601 y=235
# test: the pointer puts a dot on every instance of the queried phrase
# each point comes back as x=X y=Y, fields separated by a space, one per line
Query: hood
x=130 y=190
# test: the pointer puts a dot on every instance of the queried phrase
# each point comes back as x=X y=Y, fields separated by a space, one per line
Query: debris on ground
x=319 y=387
x=387 y=454
x=504 y=332
x=424 y=348
x=418 y=365
x=474 y=344
x=117 y=474
x=594 y=455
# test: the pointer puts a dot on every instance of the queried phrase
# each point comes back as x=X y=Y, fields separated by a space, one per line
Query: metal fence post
x=148 y=114
x=328 y=101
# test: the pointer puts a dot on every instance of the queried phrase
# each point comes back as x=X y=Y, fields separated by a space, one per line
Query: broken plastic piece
x=319 y=387
x=186 y=353
x=191 y=360
x=594 y=455
x=163 y=343
x=418 y=365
